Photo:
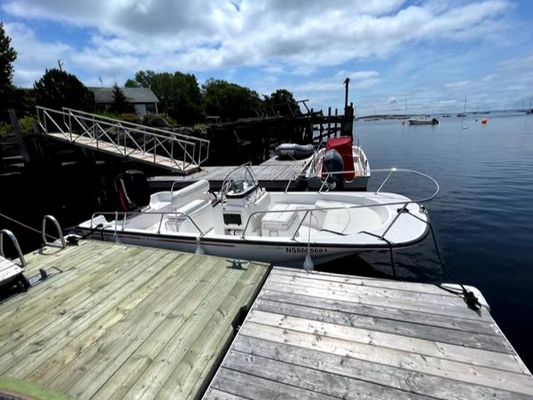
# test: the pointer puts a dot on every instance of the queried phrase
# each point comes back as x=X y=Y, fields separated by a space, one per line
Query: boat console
x=241 y=197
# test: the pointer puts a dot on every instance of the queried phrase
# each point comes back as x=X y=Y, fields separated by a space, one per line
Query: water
x=483 y=216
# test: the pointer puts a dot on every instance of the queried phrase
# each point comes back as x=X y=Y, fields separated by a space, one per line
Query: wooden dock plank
x=489 y=358
x=125 y=321
x=312 y=335
x=326 y=383
x=394 y=377
x=409 y=329
x=392 y=314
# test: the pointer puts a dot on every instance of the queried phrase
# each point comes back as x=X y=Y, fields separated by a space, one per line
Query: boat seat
x=334 y=220
x=199 y=210
x=280 y=223
x=313 y=219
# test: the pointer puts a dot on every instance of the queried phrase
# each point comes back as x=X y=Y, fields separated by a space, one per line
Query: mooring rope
x=27 y=226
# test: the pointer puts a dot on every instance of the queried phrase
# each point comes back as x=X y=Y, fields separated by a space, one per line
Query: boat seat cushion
x=280 y=223
x=314 y=219
x=335 y=220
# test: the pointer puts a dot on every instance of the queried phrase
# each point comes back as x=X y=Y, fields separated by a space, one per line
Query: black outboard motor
x=333 y=163
x=132 y=190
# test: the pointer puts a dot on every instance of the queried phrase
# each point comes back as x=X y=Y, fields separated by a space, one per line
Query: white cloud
x=203 y=35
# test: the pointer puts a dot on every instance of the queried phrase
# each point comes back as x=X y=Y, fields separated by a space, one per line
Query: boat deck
x=272 y=175
x=325 y=336
x=115 y=321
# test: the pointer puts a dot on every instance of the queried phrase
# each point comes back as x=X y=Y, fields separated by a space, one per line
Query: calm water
x=483 y=216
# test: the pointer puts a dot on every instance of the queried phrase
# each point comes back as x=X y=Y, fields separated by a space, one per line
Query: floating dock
x=272 y=175
x=114 y=321
x=325 y=336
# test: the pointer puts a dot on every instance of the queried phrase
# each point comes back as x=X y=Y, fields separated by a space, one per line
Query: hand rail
x=403 y=203
x=15 y=242
x=118 y=214
x=58 y=227
x=119 y=134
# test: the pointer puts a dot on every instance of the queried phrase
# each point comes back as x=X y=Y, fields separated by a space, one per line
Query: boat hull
x=285 y=253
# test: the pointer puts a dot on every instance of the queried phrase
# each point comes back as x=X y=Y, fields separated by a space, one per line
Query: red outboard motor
x=132 y=190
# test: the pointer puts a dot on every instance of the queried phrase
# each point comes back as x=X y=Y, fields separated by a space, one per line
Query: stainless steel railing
x=126 y=138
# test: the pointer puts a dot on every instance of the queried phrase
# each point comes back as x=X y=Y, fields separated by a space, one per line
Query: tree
x=229 y=100
x=282 y=102
x=178 y=93
x=7 y=57
x=130 y=83
x=58 y=89
x=120 y=102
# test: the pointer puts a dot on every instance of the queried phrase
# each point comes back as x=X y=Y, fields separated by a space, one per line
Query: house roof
x=134 y=95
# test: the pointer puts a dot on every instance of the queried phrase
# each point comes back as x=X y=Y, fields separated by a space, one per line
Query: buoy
x=484 y=121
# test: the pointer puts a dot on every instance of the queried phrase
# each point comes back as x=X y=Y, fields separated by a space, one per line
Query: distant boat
x=463 y=114
x=445 y=116
x=433 y=121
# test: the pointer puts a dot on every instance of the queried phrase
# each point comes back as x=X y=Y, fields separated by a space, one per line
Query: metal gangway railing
x=167 y=149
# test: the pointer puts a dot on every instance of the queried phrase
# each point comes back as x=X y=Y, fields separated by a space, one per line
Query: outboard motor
x=333 y=163
x=132 y=190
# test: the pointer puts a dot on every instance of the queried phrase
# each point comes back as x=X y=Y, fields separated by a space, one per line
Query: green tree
x=120 y=102
x=229 y=100
x=58 y=89
x=7 y=57
x=282 y=102
x=178 y=93
x=130 y=83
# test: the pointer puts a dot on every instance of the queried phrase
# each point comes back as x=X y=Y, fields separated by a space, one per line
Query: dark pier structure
x=253 y=139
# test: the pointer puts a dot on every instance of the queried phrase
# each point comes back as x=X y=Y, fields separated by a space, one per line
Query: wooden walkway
x=271 y=175
x=118 y=321
x=325 y=336
x=176 y=166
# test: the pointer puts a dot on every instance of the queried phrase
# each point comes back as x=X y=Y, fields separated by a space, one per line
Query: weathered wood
x=394 y=377
x=373 y=298
x=123 y=317
x=387 y=313
x=323 y=382
x=374 y=282
x=257 y=388
x=314 y=334
x=366 y=290
x=498 y=379
x=412 y=345
x=399 y=327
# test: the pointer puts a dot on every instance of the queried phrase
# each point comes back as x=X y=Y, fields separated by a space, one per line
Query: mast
x=464 y=109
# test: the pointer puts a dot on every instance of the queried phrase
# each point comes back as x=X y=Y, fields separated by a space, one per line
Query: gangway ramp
x=179 y=153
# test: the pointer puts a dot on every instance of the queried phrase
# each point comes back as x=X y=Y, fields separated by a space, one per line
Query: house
x=143 y=99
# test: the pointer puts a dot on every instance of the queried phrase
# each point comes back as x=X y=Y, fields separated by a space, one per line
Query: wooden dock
x=116 y=321
x=271 y=175
x=324 y=336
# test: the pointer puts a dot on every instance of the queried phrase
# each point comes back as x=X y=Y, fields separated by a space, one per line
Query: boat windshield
x=239 y=183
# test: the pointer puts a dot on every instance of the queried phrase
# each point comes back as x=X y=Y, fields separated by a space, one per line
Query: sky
x=423 y=56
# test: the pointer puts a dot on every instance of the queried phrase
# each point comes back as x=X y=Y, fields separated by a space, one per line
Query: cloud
x=392 y=100
x=209 y=35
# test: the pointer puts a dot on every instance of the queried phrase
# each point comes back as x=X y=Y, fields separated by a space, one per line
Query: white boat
x=355 y=171
x=243 y=221
x=351 y=161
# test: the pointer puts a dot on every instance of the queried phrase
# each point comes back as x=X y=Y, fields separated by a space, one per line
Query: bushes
x=26 y=126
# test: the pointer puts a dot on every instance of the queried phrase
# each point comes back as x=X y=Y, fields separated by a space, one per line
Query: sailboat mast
x=464 y=109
